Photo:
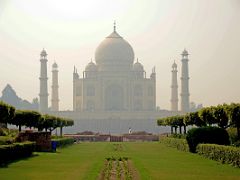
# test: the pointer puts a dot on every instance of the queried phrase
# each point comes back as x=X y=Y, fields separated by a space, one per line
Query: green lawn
x=85 y=160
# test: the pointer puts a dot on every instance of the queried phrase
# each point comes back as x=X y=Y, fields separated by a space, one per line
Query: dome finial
x=137 y=59
x=114 y=26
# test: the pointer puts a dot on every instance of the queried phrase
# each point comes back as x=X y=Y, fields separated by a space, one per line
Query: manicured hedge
x=180 y=144
x=210 y=135
x=16 y=151
x=223 y=154
x=61 y=142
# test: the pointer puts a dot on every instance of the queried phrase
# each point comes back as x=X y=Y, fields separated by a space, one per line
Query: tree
x=18 y=119
x=195 y=119
x=180 y=122
x=206 y=115
x=161 y=122
x=220 y=116
x=6 y=112
x=26 y=118
x=233 y=111
x=187 y=121
x=31 y=118
x=64 y=123
x=50 y=122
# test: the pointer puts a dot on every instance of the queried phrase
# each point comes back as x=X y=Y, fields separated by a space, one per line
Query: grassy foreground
x=85 y=161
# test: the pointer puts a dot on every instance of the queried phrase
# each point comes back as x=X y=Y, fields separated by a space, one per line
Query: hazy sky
x=158 y=30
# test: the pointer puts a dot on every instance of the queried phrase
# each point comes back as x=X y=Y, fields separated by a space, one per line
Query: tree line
x=224 y=116
x=32 y=119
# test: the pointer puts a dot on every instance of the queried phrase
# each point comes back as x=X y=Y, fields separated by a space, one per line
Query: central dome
x=114 y=50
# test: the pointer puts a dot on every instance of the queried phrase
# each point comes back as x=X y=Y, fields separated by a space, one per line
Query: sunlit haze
x=158 y=31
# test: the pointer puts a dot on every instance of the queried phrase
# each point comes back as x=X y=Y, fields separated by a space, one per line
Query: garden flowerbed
x=118 y=168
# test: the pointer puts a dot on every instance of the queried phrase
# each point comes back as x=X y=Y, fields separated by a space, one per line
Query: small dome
x=91 y=67
x=138 y=66
x=174 y=65
x=114 y=50
x=55 y=65
x=43 y=53
x=185 y=53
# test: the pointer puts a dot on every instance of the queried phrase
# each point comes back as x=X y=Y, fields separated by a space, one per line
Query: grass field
x=85 y=161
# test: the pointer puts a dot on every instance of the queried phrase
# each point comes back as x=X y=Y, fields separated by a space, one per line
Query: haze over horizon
x=158 y=31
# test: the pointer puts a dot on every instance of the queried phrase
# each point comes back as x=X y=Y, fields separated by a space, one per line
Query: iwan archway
x=114 y=98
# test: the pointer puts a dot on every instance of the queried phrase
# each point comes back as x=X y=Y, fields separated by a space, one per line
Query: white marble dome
x=114 y=50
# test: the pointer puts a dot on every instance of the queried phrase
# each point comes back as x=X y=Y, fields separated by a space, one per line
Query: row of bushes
x=195 y=136
x=31 y=119
x=211 y=135
x=61 y=142
x=180 y=144
x=226 y=115
x=16 y=151
x=223 y=154
x=209 y=142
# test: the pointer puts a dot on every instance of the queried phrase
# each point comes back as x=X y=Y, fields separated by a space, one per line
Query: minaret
x=43 y=95
x=174 y=88
x=75 y=78
x=55 y=97
x=153 y=79
x=185 y=83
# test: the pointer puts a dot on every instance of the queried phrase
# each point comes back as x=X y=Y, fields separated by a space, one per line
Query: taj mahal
x=113 y=93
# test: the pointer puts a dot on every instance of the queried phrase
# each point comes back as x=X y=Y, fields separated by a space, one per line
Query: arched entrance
x=114 y=98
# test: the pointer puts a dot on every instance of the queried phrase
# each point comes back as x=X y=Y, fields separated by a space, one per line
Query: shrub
x=61 y=142
x=223 y=154
x=210 y=135
x=180 y=144
x=15 y=151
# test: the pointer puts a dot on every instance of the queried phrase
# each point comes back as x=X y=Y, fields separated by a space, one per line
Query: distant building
x=114 y=82
x=113 y=92
x=9 y=96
